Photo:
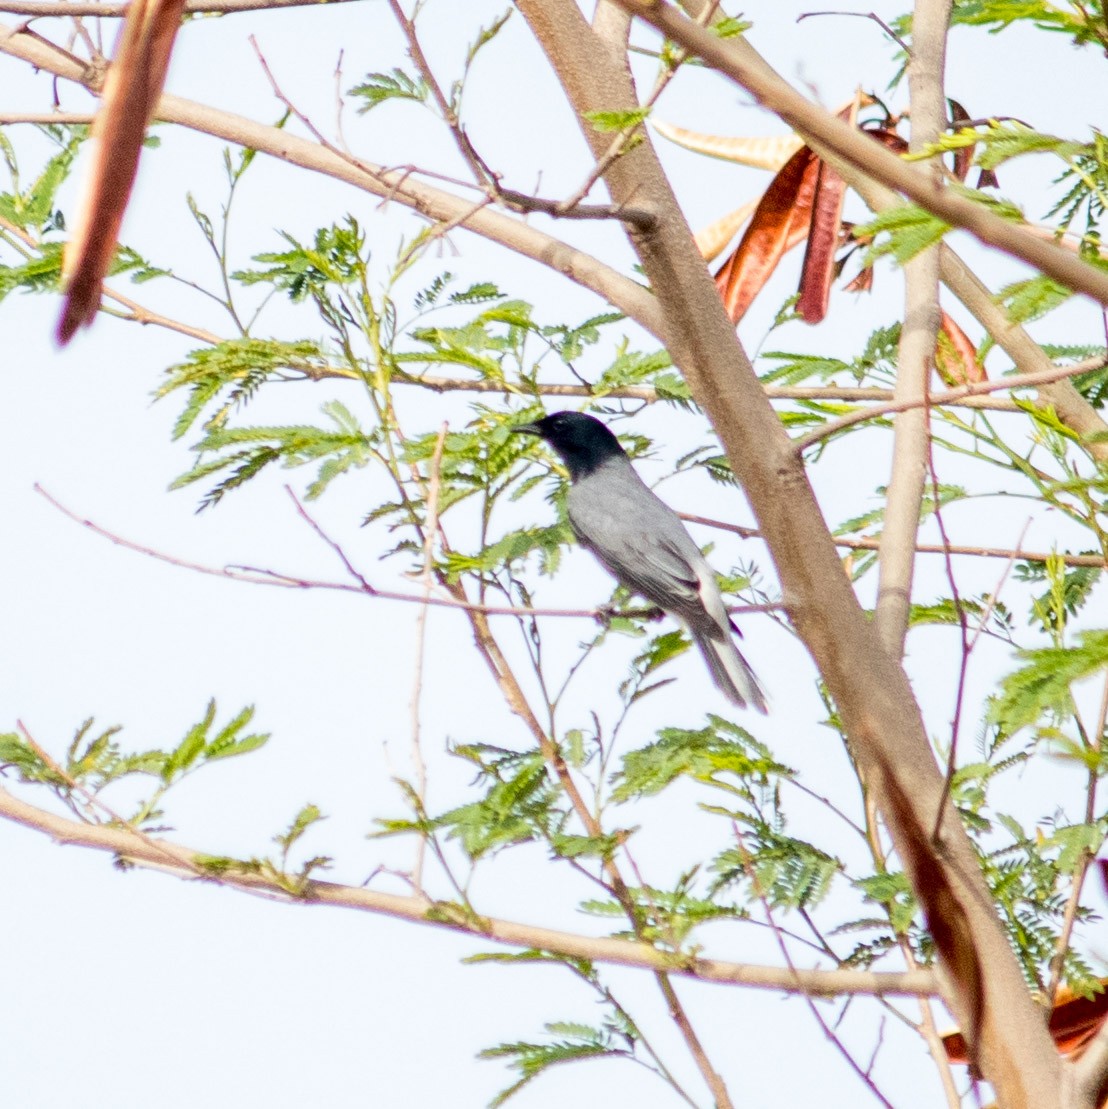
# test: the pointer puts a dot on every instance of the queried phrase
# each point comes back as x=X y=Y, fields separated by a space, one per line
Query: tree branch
x=185 y=862
x=1072 y=408
x=1007 y=553
x=1090 y=1073
x=398 y=185
x=113 y=9
x=735 y=58
x=918 y=335
x=253 y=575
x=869 y=688
x=952 y=396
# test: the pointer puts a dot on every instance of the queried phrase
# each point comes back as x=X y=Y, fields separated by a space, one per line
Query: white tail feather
x=730 y=671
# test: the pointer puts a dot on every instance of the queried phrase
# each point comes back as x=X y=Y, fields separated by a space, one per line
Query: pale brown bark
x=869 y=687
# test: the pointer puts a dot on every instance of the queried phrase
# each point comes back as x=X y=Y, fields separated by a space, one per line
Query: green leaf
x=617 y=120
x=41 y=274
x=34 y=209
x=236 y=368
x=575 y=1042
x=1042 y=686
x=728 y=27
x=227 y=742
x=397 y=85
x=304 y=819
x=789 y=873
x=191 y=747
x=720 y=748
x=893 y=892
x=909 y=230
x=485 y=36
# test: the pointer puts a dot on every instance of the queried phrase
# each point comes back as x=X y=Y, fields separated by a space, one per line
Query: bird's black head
x=583 y=442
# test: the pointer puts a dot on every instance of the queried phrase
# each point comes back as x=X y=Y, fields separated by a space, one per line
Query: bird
x=641 y=541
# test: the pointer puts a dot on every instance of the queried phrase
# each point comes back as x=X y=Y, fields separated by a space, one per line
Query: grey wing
x=643 y=544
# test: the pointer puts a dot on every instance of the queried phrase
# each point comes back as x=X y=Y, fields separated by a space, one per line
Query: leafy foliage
x=397 y=85
x=94 y=761
x=478 y=515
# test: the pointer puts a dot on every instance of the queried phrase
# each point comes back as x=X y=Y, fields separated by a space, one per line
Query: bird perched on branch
x=643 y=543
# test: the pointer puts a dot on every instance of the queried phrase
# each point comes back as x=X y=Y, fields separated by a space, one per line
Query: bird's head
x=583 y=442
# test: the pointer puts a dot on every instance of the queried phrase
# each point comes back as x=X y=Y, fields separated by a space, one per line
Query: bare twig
x=116 y=9
x=257 y=576
x=427 y=577
x=759 y=892
x=142 y=315
x=485 y=177
x=348 y=566
x=967 y=643
x=973 y=389
x=648 y=394
x=46 y=118
x=922 y=548
x=1084 y=859
x=861 y=15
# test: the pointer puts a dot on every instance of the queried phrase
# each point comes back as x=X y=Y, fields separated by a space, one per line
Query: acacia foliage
x=479 y=513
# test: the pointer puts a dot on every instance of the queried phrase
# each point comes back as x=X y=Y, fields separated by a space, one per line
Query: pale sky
x=136 y=989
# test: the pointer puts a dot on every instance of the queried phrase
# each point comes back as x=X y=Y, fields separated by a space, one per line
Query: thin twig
x=978 y=388
x=1098 y=561
x=255 y=575
x=759 y=892
x=430 y=532
x=342 y=556
x=1084 y=859
x=648 y=394
x=963 y=633
x=114 y=9
x=45 y=119
x=142 y=315
x=862 y=15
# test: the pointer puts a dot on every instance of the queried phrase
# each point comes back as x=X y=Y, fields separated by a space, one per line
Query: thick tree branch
x=869 y=688
x=915 y=363
x=735 y=58
x=1072 y=408
x=1090 y=1073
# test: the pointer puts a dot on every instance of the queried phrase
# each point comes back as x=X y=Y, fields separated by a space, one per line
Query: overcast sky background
x=136 y=989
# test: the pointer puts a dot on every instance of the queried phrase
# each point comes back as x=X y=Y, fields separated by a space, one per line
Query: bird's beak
x=527 y=429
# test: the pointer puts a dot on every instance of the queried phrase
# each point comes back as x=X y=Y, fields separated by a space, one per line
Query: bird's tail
x=730 y=670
